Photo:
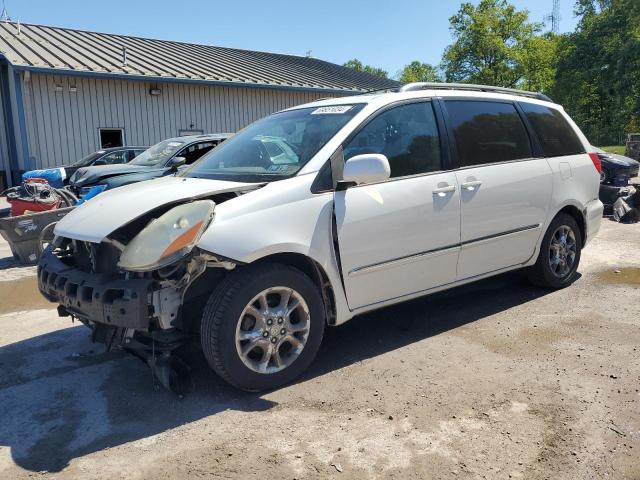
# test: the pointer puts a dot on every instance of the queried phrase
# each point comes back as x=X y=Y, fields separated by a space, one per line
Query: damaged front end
x=134 y=289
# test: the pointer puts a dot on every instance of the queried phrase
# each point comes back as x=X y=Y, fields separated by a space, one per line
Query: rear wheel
x=559 y=255
x=262 y=326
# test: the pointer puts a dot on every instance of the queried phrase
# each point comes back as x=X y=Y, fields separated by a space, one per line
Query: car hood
x=90 y=175
x=95 y=219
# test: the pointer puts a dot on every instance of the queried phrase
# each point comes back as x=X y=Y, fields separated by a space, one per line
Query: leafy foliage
x=594 y=72
x=357 y=65
x=598 y=75
x=419 y=72
x=496 y=44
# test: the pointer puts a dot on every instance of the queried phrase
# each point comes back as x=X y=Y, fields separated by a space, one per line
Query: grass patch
x=618 y=150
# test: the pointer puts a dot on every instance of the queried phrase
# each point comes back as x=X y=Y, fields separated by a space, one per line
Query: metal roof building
x=66 y=93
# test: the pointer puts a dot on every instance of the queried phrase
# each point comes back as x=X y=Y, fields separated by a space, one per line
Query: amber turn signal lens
x=183 y=240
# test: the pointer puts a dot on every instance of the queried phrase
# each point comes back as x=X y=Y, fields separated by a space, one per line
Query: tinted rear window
x=488 y=132
x=556 y=136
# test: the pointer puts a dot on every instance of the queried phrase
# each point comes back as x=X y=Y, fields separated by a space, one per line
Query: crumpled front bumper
x=96 y=297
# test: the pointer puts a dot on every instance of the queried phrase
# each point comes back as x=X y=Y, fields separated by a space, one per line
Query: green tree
x=539 y=63
x=598 y=75
x=419 y=72
x=357 y=65
x=496 y=44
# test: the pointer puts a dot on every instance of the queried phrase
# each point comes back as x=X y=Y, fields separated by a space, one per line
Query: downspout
x=22 y=124
x=13 y=175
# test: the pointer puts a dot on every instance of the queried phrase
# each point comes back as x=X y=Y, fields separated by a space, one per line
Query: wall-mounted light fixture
x=155 y=91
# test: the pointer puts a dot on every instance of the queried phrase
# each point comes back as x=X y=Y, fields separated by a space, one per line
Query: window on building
x=557 y=138
x=407 y=135
x=111 y=137
x=488 y=132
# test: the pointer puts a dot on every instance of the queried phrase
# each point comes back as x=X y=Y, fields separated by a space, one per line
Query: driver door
x=400 y=236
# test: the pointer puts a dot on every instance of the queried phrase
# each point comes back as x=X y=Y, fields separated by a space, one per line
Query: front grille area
x=88 y=257
x=101 y=297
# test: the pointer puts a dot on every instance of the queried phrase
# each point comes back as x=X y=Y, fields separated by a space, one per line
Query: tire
x=222 y=326
x=542 y=273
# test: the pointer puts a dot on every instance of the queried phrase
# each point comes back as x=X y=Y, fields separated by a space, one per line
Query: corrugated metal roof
x=68 y=50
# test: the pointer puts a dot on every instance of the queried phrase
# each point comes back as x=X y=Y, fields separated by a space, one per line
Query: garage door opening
x=111 y=137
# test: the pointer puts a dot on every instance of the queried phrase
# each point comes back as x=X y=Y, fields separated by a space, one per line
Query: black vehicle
x=161 y=159
x=632 y=149
x=106 y=156
x=614 y=165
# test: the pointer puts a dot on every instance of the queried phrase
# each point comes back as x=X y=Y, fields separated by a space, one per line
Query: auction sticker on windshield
x=338 y=109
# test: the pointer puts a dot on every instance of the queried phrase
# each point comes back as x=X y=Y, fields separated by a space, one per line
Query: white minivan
x=322 y=212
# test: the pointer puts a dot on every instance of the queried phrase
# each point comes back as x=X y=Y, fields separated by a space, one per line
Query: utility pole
x=554 y=17
x=4 y=15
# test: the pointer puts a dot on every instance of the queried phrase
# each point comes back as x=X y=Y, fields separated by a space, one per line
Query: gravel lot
x=493 y=380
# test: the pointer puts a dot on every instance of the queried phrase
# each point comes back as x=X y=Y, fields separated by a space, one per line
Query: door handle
x=471 y=186
x=442 y=191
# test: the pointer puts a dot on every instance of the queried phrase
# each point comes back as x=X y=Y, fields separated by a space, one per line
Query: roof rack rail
x=411 y=87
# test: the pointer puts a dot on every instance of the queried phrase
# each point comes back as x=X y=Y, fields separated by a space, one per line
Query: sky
x=386 y=34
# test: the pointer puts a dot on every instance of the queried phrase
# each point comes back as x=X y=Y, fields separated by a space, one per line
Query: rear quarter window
x=556 y=136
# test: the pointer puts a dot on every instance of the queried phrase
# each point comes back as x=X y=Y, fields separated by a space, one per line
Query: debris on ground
x=35 y=208
x=621 y=203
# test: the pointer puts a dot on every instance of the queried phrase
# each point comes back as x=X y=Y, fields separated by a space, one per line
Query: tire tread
x=214 y=314
x=537 y=274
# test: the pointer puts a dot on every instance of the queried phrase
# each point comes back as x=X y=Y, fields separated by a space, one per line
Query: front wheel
x=263 y=326
x=559 y=255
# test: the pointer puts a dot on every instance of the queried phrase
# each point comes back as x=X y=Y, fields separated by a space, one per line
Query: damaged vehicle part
x=167 y=238
x=626 y=209
x=322 y=212
x=135 y=311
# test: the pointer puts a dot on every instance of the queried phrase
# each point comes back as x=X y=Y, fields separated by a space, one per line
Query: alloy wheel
x=272 y=330
x=562 y=251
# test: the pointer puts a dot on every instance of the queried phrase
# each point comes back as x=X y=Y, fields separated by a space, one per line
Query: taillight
x=596 y=161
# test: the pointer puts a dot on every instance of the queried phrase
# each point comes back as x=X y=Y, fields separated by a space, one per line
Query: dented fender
x=281 y=217
x=95 y=219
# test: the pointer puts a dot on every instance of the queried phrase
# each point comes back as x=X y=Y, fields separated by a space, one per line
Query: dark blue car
x=162 y=159
x=58 y=177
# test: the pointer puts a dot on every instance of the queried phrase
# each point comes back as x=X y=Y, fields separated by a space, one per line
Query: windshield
x=158 y=154
x=275 y=147
x=89 y=159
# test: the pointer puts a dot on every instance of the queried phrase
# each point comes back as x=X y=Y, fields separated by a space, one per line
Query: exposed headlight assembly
x=168 y=237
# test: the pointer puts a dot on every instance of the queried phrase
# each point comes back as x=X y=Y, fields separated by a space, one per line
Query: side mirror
x=177 y=162
x=367 y=168
x=99 y=163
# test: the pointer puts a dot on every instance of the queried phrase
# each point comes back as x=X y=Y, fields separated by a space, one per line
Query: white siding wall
x=63 y=125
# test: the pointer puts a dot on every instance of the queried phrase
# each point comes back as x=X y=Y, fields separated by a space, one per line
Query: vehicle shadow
x=394 y=327
x=62 y=397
